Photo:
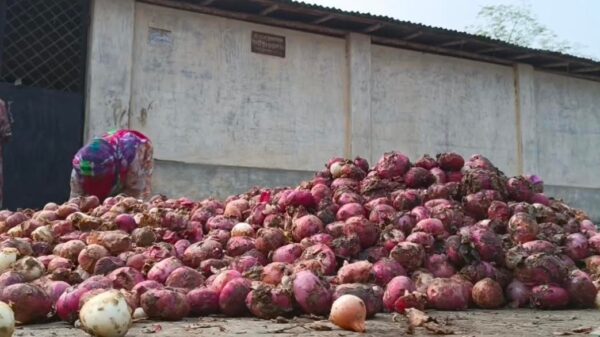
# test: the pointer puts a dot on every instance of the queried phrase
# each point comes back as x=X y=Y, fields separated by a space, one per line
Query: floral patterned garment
x=118 y=162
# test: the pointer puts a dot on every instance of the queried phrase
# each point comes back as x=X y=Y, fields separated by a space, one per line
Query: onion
x=242 y=229
x=522 y=227
x=487 y=294
x=447 y=294
x=164 y=304
x=125 y=222
x=549 y=297
x=418 y=177
x=8 y=256
x=581 y=289
x=349 y=313
x=410 y=255
x=185 y=277
x=311 y=293
x=367 y=231
x=357 y=272
x=106 y=315
x=233 y=295
x=288 y=253
x=29 y=267
x=267 y=302
x=306 y=226
x=576 y=246
x=203 y=301
x=439 y=266
x=322 y=254
x=7 y=320
x=392 y=164
x=386 y=269
x=161 y=270
x=397 y=287
x=29 y=302
x=450 y=161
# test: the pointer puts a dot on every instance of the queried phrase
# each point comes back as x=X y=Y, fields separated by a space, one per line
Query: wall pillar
x=525 y=109
x=358 y=123
x=110 y=52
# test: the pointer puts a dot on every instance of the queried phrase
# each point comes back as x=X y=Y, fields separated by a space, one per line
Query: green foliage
x=517 y=25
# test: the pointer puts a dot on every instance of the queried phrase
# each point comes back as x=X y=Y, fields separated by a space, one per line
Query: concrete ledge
x=587 y=199
x=198 y=181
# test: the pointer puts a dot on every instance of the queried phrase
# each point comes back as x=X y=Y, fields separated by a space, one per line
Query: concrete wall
x=424 y=103
x=224 y=119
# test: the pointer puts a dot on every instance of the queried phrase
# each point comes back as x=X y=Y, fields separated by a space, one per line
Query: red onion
x=418 y=177
x=324 y=255
x=581 y=289
x=164 y=304
x=29 y=302
x=447 y=294
x=450 y=161
x=203 y=301
x=522 y=227
x=410 y=255
x=398 y=286
x=288 y=253
x=367 y=231
x=267 y=302
x=549 y=297
x=392 y=165
x=576 y=246
x=311 y=293
x=357 y=272
x=439 y=266
x=306 y=226
x=232 y=297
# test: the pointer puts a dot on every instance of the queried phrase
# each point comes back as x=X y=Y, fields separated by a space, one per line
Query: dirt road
x=471 y=323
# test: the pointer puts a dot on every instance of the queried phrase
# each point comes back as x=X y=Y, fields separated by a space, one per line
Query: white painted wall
x=567 y=113
x=210 y=100
x=424 y=103
x=109 y=66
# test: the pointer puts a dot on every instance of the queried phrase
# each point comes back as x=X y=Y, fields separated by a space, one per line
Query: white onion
x=16 y=232
x=242 y=229
x=349 y=313
x=8 y=256
x=43 y=234
x=30 y=267
x=106 y=315
x=7 y=320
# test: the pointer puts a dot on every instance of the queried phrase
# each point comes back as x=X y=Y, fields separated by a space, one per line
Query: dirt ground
x=470 y=323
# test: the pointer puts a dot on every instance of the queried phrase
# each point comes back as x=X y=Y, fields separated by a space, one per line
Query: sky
x=573 y=20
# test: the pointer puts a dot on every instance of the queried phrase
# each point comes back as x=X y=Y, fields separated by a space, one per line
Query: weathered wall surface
x=424 y=103
x=224 y=119
x=109 y=66
x=208 y=99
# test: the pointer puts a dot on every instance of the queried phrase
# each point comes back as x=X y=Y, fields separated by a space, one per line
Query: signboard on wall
x=268 y=44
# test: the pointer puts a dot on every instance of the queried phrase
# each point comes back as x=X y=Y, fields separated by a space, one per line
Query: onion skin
x=349 y=312
x=164 y=304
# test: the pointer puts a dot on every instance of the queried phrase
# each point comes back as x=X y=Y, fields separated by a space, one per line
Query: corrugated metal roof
x=428 y=27
x=386 y=30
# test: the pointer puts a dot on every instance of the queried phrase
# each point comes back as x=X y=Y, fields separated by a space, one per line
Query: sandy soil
x=469 y=323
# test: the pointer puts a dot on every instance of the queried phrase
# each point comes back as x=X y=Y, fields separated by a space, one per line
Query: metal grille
x=43 y=44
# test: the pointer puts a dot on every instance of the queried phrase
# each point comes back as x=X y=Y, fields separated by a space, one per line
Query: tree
x=518 y=25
